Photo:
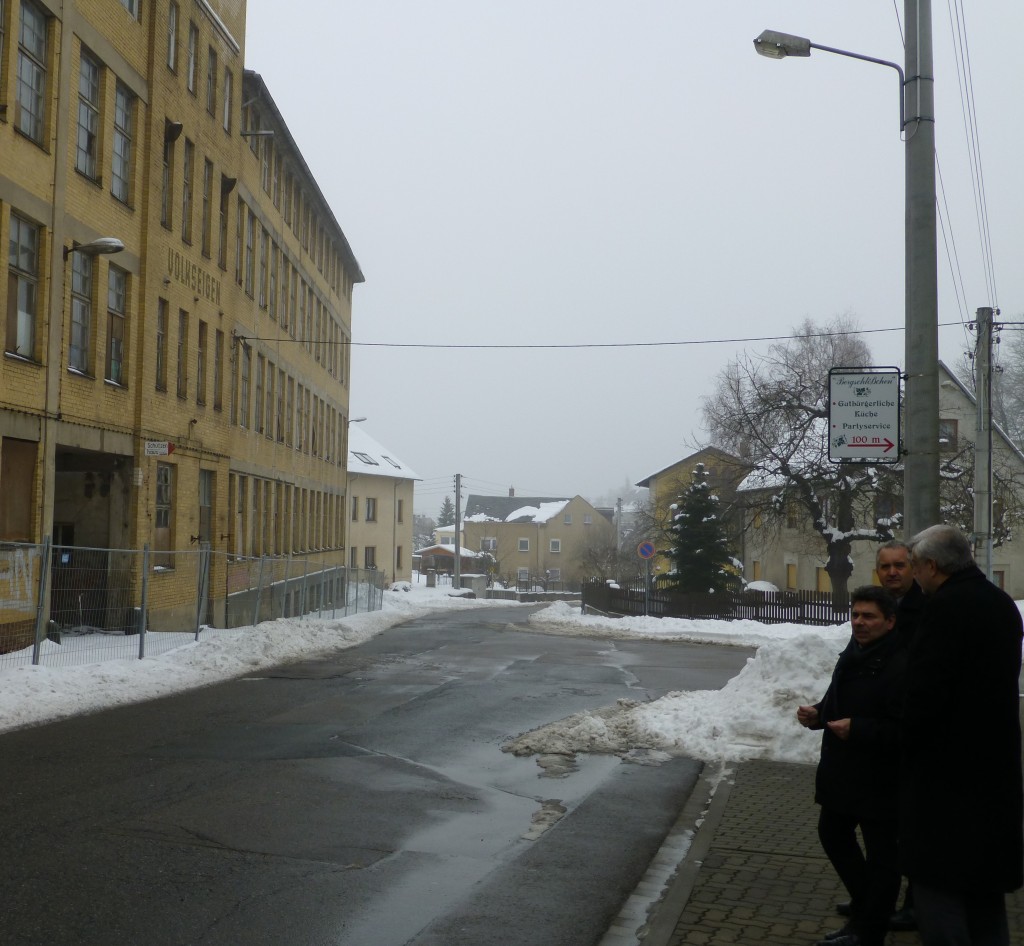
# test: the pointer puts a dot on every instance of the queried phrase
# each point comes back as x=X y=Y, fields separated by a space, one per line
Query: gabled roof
x=967 y=393
x=368 y=457
x=514 y=508
x=721 y=454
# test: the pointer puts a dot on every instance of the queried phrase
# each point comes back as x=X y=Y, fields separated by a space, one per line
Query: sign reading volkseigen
x=864 y=415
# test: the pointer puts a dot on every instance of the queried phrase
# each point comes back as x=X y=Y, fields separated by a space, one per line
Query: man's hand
x=841 y=727
x=807 y=716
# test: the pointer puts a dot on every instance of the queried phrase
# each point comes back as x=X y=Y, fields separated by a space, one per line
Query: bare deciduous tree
x=772 y=411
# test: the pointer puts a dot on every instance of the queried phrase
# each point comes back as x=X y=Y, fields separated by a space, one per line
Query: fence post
x=41 y=610
x=320 y=600
x=305 y=580
x=145 y=601
x=202 y=579
x=259 y=591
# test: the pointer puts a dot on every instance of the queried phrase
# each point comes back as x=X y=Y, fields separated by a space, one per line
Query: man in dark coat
x=896 y=575
x=856 y=782
x=962 y=803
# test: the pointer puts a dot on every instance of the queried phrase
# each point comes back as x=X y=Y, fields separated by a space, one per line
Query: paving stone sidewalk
x=755 y=873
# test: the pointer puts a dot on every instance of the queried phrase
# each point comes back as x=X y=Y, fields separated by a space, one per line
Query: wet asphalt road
x=355 y=800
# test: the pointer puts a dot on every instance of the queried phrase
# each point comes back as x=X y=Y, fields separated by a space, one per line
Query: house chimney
x=511 y=491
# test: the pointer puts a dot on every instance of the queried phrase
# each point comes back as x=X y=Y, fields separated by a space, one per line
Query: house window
x=556 y=546
x=186 y=191
x=823 y=582
x=29 y=107
x=268 y=414
x=190 y=70
x=134 y=7
x=121 y=177
x=488 y=544
x=792 y=515
x=201 y=356
x=243 y=407
x=207 y=205
x=398 y=558
x=355 y=508
x=167 y=182
x=887 y=506
x=524 y=545
x=791 y=577
x=218 y=371
x=226 y=105
x=399 y=511
x=81 y=312
x=370 y=556
x=161 y=345
x=948 y=435
x=366 y=458
x=568 y=519
x=999 y=579
x=371 y=509
x=258 y=422
x=755 y=570
x=250 y=255
x=222 y=235
x=22 y=287
x=88 y=115
x=555 y=574
x=211 y=81
x=172 y=37
x=117 y=308
x=353 y=557
x=523 y=574
x=162 y=538
x=272 y=281
x=264 y=241
x=182 y=385
x=587 y=519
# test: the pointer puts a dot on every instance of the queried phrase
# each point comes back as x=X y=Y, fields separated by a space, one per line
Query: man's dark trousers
x=871 y=877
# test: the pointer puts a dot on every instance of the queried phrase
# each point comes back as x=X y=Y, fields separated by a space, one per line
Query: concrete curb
x=708 y=799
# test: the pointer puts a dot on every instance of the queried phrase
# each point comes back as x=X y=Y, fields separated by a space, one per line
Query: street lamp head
x=775 y=45
x=101 y=246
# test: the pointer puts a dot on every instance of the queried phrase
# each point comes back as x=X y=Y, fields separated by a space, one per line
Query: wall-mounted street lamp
x=101 y=246
x=921 y=401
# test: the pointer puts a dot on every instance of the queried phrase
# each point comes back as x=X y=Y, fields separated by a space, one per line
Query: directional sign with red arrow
x=864 y=415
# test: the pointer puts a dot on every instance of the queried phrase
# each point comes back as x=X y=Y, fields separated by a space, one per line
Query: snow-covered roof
x=368 y=457
x=537 y=509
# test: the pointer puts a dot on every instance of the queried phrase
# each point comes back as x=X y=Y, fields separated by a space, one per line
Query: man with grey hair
x=961 y=838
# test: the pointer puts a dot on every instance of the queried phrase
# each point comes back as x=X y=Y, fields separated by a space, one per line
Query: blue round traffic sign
x=645 y=550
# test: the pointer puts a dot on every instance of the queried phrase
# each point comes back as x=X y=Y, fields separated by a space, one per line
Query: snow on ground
x=752 y=716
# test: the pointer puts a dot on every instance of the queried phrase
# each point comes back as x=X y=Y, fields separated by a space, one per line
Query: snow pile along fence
x=130 y=602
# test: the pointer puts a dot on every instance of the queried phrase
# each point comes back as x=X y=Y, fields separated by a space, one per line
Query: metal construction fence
x=791 y=607
x=68 y=604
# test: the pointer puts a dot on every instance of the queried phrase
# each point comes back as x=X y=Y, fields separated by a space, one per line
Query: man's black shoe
x=837 y=935
x=904 y=919
x=843 y=908
x=844 y=939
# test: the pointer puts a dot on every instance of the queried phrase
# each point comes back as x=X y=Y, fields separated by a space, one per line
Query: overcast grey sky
x=589 y=171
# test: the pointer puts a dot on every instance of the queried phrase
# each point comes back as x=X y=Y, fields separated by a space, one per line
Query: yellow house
x=725 y=473
x=532 y=537
x=380 y=507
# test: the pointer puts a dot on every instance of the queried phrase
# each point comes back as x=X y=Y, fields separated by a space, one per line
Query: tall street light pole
x=921 y=466
x=917 y=120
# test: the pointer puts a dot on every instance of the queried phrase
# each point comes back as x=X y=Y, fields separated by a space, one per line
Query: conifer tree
x=446 y=517
x=701 y=552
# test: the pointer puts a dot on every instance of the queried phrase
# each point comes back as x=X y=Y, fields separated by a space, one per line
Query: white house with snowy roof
x=380 y=503
x=537 y=537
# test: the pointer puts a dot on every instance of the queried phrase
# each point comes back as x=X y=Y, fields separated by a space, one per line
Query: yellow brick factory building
x=176 y=299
